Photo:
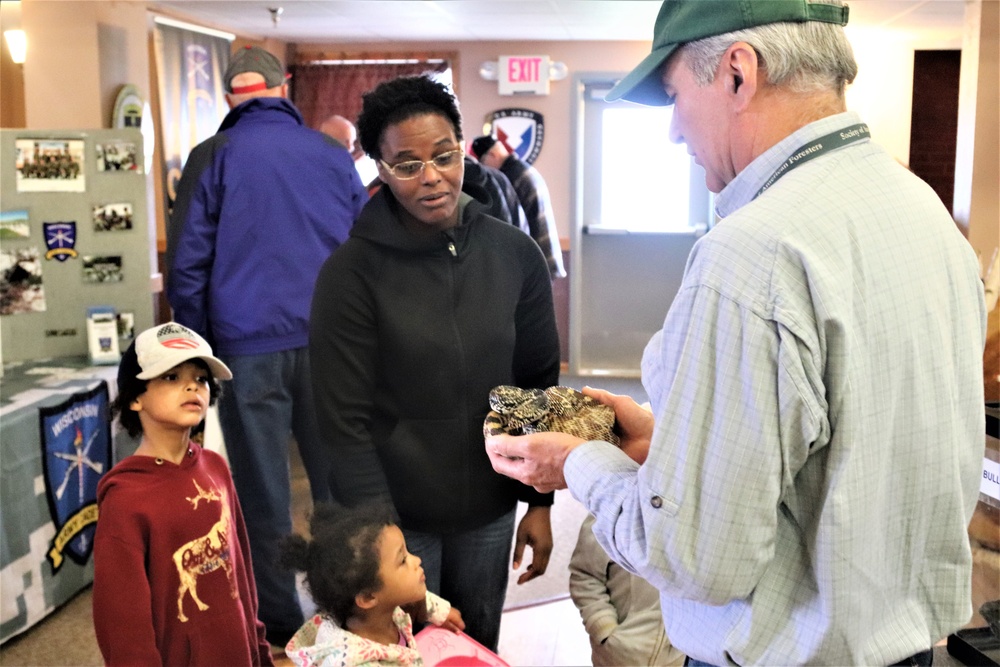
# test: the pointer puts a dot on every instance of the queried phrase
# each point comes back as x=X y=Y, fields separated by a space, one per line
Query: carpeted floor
x=64 y=639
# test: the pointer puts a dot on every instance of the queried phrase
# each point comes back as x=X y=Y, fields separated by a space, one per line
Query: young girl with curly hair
x=361 y=576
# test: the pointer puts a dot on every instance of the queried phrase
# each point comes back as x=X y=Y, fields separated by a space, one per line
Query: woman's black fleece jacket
x=408 y=334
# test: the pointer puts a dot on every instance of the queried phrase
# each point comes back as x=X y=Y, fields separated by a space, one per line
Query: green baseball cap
x=683 y=21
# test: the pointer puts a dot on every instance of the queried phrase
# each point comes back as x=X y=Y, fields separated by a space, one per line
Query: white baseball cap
x=159 y=349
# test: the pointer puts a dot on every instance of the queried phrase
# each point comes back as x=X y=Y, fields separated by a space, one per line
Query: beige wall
x=556 y=160
x=479 y=98
x=61 y=74
x=11 y=74
x=882 y=92
x=79 y=54
x=977 y=166
x=66 y=65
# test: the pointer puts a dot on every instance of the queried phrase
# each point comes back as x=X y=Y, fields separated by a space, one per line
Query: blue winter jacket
x=259 y=208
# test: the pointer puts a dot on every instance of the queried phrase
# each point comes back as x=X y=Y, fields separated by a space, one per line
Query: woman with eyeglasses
x=428 y=305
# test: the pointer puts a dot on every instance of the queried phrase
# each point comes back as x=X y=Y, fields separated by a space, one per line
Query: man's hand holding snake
x=535 y=459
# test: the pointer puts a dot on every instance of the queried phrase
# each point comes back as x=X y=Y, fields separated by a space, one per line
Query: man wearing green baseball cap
x=800 y=489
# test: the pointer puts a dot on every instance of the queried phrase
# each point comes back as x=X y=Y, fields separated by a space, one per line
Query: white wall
x=882 y=93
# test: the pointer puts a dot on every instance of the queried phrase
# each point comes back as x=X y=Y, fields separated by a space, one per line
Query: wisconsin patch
x=60 y=239
x=522 y=130
x=76 y=452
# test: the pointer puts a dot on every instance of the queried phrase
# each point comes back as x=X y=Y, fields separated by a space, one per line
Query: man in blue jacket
x=259 y=207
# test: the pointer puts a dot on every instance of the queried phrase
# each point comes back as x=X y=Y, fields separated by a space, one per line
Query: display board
x=74 y=235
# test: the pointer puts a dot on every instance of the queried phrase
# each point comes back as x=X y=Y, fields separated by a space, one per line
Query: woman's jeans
x=469 y=570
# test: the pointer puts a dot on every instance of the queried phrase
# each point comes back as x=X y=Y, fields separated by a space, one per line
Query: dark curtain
x=320 y=91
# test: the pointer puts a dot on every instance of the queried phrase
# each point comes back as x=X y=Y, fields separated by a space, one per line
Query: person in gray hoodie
x=620 y=610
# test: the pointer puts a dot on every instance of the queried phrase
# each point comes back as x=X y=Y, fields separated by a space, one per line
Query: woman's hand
x=535 y=530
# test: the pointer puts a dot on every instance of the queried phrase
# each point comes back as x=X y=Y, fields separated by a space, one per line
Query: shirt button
x=656 y=502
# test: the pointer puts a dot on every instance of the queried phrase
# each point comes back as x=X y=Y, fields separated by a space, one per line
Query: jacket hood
x=143 y=470
x=379 y=223
x=476 y=187
x=257 y=104
x=476 y=182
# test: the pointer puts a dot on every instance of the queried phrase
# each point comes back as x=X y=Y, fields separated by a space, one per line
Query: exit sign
x=523 y=75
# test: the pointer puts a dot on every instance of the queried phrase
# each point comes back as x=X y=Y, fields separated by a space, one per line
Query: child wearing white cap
x=173 y=581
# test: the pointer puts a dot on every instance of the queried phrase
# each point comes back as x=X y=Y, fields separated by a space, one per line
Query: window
x=645 y=179
x=634 y=178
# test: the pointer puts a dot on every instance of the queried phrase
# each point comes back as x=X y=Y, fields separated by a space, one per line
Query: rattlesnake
x=519 y=411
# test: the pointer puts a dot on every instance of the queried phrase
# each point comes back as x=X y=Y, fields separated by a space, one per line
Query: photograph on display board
x=102 y=269
x=21 y=289
x=14 y=225
x=49 y=165
x=116 y=156
x=113 y=217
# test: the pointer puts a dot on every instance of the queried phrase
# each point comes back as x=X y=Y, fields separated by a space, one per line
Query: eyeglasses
x=410 y=169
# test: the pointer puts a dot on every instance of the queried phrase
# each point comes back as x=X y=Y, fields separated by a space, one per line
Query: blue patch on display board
x=76 y=452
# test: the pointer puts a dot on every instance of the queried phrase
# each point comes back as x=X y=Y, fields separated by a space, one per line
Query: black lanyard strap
x=814 y=149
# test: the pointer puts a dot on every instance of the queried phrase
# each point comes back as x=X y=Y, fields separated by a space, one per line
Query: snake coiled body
x=520 y=411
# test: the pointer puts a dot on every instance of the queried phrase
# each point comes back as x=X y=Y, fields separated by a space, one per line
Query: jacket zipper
x=449 y=235
x=463 y=362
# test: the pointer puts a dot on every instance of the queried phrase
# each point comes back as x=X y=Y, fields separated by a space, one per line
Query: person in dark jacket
x=425 y=308
x=504 y=203
x=260 y=206
x=533 y=194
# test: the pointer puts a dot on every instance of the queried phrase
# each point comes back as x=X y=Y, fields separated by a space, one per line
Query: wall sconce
x=488 y=70
x=17 y=44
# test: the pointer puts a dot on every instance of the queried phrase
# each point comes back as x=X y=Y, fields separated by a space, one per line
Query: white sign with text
x=523 y=75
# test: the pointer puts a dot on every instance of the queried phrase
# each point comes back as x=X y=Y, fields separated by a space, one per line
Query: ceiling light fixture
x=275 y=14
